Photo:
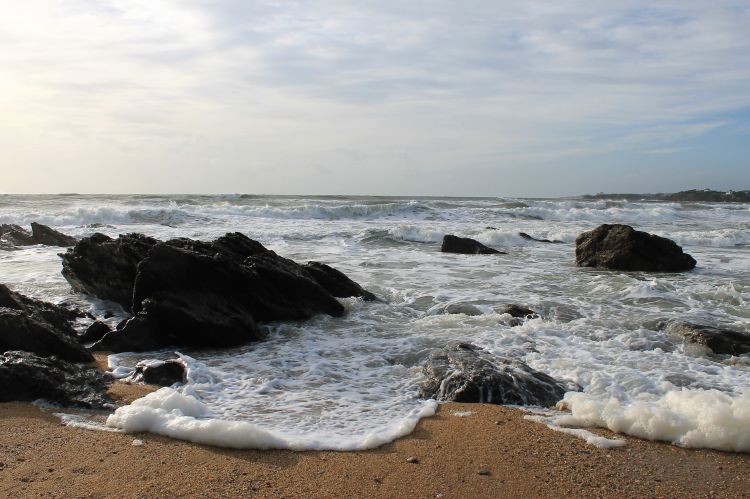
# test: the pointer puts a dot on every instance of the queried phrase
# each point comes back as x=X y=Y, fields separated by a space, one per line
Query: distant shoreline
x=699 y=195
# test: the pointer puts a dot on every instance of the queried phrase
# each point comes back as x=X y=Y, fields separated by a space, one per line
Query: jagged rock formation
x=201 y=294
x=15 y=235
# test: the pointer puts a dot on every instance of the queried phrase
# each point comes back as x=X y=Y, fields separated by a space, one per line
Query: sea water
x=352 y=382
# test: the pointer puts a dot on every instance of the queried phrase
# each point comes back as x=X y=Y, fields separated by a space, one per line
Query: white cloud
x=390 y=97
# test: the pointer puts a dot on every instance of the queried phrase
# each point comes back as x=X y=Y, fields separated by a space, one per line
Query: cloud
x=360 y=91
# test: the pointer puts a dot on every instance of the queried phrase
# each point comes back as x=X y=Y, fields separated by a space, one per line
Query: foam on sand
x=687 y=417
x=168 y=412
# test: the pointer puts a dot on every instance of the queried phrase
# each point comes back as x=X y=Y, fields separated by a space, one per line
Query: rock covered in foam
x=718 y=341
x=466 y=246
x=25 y=376
x=620 y=247
x=202 y=294
x=15 y=235
x=462 y=372
x=39 y=327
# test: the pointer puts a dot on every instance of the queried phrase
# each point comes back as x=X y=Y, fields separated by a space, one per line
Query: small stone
x=484 y=472
x=137 y=442
x=412 y=460
x=499 y=422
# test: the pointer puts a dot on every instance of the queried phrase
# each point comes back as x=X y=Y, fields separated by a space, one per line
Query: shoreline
x=491 y=452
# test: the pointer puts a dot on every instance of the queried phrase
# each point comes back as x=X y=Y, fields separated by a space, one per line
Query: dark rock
x=15 y=235
x=21 y=332
x=166 y=373
x=530 y=238
x=26 y=376
x=194 y=293
x=467 y=246
x=517 y=311
x=57 y=315
x=94 y=332
x=620 y=247
x=104 y=267
x=462 y=372
x=336 y=282
x=131 y=335
x=39 y=327
x=719 y=341
x=42 y=234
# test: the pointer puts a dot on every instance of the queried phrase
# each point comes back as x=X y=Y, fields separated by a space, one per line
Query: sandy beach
x=491 y=452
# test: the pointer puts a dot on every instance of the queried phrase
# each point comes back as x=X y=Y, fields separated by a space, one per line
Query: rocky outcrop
x=467 y=246
x=201 y=294
x=165 y=373
x=104 y=267
x=15 y=235
x=39 y=327
x=620 y=247
x=531 y=238
x=462 y=372
x=25 y=376
x=718 y=341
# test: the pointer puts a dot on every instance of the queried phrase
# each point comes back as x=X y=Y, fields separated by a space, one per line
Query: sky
x=386 y=97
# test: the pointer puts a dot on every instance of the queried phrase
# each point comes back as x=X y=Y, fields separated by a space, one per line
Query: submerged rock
x=530 y=238
x=620 y=247
x=718 y=341
x=15 y=235
x=202 y=294
x=39 y=327
x=467 y=246
x=517 y=311
x=25 y=376
x=165 y=373
x=462 y=372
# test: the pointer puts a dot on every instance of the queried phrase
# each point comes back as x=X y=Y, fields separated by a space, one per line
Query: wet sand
x=493 y=452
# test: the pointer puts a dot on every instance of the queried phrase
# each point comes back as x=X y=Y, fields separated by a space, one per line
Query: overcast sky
x=374 y=97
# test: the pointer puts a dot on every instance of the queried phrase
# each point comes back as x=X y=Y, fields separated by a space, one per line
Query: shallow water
x=351 y=383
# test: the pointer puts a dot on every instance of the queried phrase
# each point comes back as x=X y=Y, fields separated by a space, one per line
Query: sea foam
x=168 y=412
x=687 y=417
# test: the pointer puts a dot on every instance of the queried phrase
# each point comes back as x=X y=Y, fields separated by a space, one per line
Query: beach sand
x=492 y=452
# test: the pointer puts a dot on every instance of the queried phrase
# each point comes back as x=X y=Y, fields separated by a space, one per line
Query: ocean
x=352 y=383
